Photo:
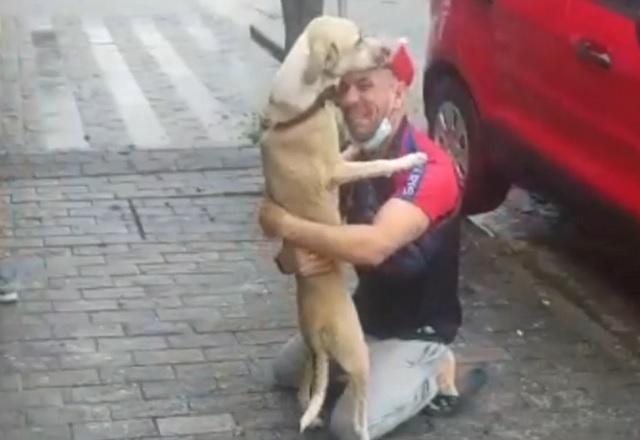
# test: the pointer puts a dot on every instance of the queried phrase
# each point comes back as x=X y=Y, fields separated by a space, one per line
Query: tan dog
x=303 y=169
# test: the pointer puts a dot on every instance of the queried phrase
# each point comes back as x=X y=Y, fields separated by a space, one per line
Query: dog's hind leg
x=447 y=401
x=359 y=384
x=314 y=389
x=306 y=388
x=353 y=356
x=447 y=375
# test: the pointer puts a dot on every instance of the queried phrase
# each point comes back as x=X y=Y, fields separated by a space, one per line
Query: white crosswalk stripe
x=189 y=87
x=143 y=126
x=61 y=123
x=161 y=81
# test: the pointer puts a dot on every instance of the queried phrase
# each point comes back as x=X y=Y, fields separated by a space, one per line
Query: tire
x=484 y=187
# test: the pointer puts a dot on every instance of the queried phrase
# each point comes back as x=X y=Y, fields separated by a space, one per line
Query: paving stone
x=67 y=414
x=57 y=347
x=201 y=341
x=186 y=314
x=264 y=336
x=105 y=393
x=123 y=316
x=131 y=343
x=266 y=419
x=66 y=318
x=213 y=300
x=196 y=424
x=30 y=363
x=87 y=330
x=477 y=354
x=63 y=378
x=94 y=360
x=25 y=332
x=113 y=293
x=10 y=382
x=80 y=282
x=239 y=402
x=12 y=420
x=85 y=306
x=194 y=387
x=39 y=433
x=240 y=324
x=158 y=328
x=110 y=269
x=125 y=429
x=211 y=370
x=36 y=306
x=144 y=280
x=149 y=409
x=149 y=303
x=136 y=374
x=30 y=398
x=168 y=357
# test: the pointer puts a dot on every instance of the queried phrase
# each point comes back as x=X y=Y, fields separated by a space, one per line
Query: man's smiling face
x=366 y=98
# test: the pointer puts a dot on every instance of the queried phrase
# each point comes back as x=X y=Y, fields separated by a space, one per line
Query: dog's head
x=337 y=46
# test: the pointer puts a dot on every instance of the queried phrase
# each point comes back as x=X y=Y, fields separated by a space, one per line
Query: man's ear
x=400 y=91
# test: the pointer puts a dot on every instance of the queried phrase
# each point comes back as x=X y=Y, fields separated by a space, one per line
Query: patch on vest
x=413 y=181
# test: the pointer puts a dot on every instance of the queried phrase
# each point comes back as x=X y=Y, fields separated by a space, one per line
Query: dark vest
x=414 y=293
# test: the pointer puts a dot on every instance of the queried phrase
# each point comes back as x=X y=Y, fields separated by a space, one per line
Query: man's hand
x=309 y=263
x=292 y=260
x=271 y=218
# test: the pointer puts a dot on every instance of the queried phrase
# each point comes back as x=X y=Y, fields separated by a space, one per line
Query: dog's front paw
x=415 y=159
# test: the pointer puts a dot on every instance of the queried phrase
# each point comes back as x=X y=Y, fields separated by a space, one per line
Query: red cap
x=401 y=64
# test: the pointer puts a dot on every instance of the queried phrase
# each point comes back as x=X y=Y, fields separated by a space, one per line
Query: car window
x=626 y=7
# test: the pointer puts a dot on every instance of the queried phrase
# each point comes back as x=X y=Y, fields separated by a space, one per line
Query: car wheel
x=453 y=123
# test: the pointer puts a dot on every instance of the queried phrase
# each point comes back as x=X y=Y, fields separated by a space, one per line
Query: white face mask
x=379 y=137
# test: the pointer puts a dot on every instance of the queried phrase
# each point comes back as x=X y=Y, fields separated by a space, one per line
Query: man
x=402 y=236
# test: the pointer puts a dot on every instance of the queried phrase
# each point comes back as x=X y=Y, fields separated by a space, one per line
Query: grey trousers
x=402 y=382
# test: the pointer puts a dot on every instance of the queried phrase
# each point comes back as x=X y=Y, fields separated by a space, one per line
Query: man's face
x=366 y=98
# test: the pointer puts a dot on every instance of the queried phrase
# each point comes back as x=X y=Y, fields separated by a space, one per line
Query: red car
x=542 y=93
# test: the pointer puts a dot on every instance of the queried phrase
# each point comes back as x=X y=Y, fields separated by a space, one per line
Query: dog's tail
x=319 y=385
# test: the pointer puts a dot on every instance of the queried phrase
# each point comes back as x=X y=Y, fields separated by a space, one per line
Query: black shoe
x=449 y=405
x=442 y=405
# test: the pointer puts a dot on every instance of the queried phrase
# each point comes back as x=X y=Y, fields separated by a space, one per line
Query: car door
x=603 y=97
x=531 y=43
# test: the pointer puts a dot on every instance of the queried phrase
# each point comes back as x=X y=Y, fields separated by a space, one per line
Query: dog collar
x=327 y=94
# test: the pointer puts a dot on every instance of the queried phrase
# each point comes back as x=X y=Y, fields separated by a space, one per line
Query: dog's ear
x=331 y=60
x=320 y=58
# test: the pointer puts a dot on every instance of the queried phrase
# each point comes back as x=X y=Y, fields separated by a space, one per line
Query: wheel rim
x=451 y=132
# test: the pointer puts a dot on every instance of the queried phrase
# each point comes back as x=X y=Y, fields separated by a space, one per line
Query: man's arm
x=397 y=223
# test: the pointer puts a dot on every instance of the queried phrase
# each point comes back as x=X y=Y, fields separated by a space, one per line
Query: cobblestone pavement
x=150 y=308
